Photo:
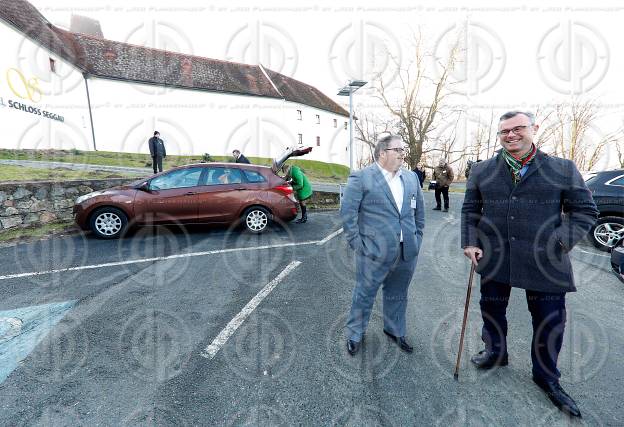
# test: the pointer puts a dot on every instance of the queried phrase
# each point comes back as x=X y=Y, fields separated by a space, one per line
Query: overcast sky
x=518 y=54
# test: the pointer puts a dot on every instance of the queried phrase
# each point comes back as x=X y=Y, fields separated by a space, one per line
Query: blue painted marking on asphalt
x=23 y=328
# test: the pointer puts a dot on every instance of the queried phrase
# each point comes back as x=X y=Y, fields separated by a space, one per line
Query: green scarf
x=515 y=165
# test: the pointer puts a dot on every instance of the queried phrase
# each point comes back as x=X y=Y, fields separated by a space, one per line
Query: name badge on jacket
x=413 y=202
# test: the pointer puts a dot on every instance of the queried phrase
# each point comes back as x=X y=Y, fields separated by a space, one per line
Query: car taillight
x=286 y=190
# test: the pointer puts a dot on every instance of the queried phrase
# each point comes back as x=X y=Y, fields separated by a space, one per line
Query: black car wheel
x=108 y=222
x=607 y=232
x=256 y=219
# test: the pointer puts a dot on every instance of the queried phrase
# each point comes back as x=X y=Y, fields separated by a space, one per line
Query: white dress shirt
x=396 y=187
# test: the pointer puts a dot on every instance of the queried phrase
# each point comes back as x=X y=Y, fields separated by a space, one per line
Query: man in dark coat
x=523 y=212
x=157 y=151
x=240 y=157
x=419 y=170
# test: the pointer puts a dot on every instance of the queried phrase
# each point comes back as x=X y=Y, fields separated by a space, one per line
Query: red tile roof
x=116 y=60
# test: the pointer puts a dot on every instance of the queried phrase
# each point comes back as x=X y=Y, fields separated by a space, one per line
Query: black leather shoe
x=558 y=396
x=445 y=209
x=403 y=345
x=437 y=208
x=486 y=360
x=353 y=347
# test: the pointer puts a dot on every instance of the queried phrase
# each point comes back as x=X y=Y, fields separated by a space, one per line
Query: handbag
x=432 y=185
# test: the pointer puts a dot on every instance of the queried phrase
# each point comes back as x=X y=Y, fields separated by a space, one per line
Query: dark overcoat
x=526 y=230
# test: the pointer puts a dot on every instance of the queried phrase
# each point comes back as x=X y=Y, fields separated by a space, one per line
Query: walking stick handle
x=463 y=328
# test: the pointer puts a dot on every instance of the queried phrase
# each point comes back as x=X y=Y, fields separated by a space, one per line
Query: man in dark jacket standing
x=443 y=175
x=157 y=151
x=240 y=157
x=419 y=170
x=523 y=212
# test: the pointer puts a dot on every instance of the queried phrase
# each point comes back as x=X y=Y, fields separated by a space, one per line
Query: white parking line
x=163 y=258
x=214 y=347
x=331 y=236
x=593 y=253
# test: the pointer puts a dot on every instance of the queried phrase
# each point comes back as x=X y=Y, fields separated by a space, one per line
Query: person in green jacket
x=302 y=187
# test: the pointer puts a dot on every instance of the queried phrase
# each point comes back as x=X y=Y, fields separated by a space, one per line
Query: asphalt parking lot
x=211 y=326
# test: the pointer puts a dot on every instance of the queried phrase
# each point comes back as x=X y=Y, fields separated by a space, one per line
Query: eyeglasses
x=397 y=150
x=516 y=130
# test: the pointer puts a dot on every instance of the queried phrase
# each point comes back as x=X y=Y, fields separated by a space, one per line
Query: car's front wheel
x=256 y=219
x=607 y=232
x=108 y=222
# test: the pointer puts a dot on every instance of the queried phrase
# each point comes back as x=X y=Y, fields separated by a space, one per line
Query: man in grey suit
x=383 y=219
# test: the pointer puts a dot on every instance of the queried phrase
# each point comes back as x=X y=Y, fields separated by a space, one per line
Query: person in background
x=157 y=151
x=419 y=170
x=240 y=157
x=443 y=175
x=302 y=188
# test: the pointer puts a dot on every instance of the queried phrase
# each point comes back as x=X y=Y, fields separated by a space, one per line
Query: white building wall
x=126 y=114
x=26 y=78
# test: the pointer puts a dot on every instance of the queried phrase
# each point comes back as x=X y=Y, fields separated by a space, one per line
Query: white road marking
x=163 y=258
x=214 y=347
x=593 y=253
x=331 y=236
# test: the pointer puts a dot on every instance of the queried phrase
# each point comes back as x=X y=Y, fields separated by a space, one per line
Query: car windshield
x=181 y=178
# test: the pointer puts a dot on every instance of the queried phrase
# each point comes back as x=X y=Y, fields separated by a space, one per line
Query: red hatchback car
x=204 y=193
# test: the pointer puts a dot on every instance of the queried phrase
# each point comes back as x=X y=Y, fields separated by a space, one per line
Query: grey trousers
x=369 y=276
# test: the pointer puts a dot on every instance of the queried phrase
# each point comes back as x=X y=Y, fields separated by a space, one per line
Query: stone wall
x=321 y=199
x=25 y=204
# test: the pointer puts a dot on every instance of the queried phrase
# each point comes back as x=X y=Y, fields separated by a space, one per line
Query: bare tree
x=368 y=128
x=567 y=132
x=485 y=142
x=619 y=148
x=421 y=104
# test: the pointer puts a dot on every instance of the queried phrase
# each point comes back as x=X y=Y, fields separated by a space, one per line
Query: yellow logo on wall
x=22 y=88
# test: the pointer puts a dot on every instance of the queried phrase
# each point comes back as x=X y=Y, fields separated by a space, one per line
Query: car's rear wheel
x=256 y=219
x=108 y=222
x=607 y=232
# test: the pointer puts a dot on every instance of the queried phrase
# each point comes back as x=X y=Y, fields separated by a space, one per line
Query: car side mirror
x=144 y=186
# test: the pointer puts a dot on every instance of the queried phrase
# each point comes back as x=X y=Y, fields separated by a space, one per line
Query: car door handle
x=239 y=189
x=190 y=193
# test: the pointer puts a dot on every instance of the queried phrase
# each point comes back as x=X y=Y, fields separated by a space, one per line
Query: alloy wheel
x=256 y=220
x=108 y=223
x=609 y=233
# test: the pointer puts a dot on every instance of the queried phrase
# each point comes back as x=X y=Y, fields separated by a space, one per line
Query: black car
x=617 y=260
x=608 y=191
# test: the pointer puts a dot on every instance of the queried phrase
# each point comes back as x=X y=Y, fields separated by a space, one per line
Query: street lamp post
x=348 y=90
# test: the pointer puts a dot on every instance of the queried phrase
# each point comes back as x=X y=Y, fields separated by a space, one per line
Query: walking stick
x=463 y=329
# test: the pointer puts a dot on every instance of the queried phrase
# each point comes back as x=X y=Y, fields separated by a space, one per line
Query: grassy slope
x=20 y=173
x=315 y=170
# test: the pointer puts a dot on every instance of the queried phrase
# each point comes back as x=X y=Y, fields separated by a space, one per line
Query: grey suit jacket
x=371 y=221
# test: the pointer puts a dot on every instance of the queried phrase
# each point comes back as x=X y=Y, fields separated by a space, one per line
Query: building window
x=318 y=119
x=345 y=125
x=52 y=65
x=300 y=138
x=335 y=123
x=299 y=116
x=318 y=141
